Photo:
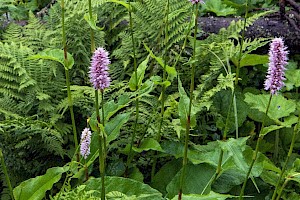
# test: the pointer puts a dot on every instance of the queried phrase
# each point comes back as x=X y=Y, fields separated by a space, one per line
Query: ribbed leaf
x=126 y=186
x=35 y=188
x=56 y=55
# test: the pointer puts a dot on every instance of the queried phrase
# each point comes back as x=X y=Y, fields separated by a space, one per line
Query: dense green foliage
x=35 y=126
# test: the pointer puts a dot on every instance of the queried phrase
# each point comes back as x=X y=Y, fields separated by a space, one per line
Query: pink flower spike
x=99 y=75
x=277 y=62
x=85 y=142
x=196 y=1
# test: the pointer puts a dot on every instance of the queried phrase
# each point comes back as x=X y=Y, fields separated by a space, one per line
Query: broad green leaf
x=148 y=144
x=171 y=71
x=56 y=55
x=279 y=107
x=296 y=164
x=222 y=100
x=219 y=8
x=211 y=196
x=112 y=128
x=129 y=187
x=110 y=109
x=183 y=107
x=295 y=176
x=146 y=88
x=209 y=153
x=140 y=76
x=173 y=148
x=198 y=154
x=293 y=77
x=259 y=163
x=269 y=129
x=196 y=180
x=92 y=22
x=288 y=121
x=168 y=171
x=165 y=83
x=136 y=174
x=115 y=168
x=254 y=59
x=229 y=178
x=35 y=188
x=123 y=3
x=235 y=147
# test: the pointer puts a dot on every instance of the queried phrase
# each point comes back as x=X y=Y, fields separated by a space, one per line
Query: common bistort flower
x=99 y=75
x=277 y=62
x=85 y=142
x=196 y=1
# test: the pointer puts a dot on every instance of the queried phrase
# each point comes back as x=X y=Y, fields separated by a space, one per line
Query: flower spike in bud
x=85 y=142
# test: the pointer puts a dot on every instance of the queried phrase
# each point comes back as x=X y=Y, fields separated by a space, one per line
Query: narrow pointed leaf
x=140 y=76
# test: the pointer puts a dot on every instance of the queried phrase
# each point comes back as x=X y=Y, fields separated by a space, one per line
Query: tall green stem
x=241 y=46
x=4 y=169
x=255 y=153
x=238 y=72
x=70 y=101
x=92 y=31
x=219 y=168
x=188 y=31
x=130 y=154
x=101 y=151
x=86 y=171
x=103 y=123
x=282 y=187
x=233 y=99
x=163 y=86
x=101 y=141
x=188 y=124
x=295 y=133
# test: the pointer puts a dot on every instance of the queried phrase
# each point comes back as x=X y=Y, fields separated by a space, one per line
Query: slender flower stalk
x=4 y=169
x=295 y=134
x=101 y=150
x=103 y=123
x=188 y=124
x=85 y=143
x=274 y=82
x=282 y=187
x=162 y=109
x=233 y=98
x=70 y=100
x=130 y=154
x=100 y=79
